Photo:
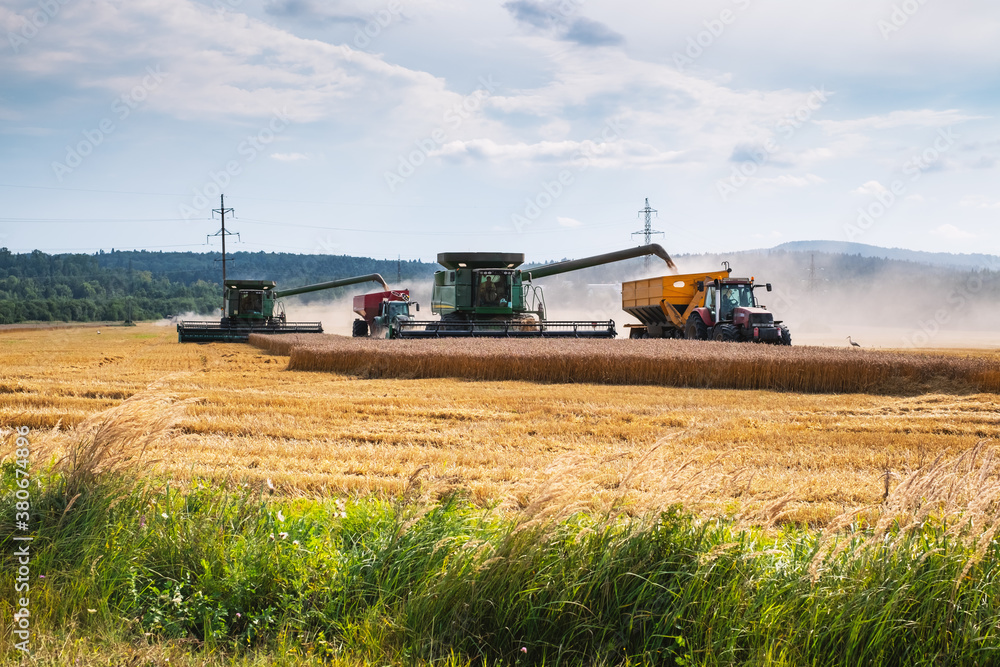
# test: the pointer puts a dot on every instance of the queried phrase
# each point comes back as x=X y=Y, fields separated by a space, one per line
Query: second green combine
x=253 y=306
x=487 y=295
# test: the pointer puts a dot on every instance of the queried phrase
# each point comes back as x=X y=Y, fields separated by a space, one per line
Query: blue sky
x=412 y=127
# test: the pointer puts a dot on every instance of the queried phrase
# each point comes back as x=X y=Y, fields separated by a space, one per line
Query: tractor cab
x=394 y=309
x=734 y=300
x=391 y=315
x=734 y=296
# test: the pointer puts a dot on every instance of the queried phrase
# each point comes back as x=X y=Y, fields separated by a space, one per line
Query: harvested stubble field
x=672 y=363
x=258 y=418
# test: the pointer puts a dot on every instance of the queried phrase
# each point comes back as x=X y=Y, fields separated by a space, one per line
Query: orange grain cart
x=712 y=305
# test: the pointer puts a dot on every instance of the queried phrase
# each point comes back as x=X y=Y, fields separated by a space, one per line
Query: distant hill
x=962 y=261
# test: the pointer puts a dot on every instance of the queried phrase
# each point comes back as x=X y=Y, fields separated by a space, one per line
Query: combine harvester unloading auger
x=253 y=306
x=486 y=295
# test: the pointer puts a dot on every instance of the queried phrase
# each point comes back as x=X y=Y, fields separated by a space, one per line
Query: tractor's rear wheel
x=725 y=333
x=696 y=329
x=786 y=335
x=360 y=329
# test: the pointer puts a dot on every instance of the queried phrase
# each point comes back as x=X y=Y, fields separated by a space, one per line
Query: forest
x=143 y=285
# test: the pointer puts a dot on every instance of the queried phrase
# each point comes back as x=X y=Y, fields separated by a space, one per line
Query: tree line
x=143 y=285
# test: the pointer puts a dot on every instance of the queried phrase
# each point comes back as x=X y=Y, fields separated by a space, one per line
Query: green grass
x=232 y=576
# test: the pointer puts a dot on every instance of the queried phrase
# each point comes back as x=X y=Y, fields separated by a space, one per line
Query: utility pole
x=222 y=210
x=131 y=293
x=399 y=269
x=648 y=230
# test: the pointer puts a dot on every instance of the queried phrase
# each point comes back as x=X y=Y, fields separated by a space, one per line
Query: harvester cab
x=251 y=301
x=478 y=286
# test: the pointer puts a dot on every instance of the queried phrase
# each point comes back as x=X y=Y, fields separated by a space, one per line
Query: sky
x=405 y=128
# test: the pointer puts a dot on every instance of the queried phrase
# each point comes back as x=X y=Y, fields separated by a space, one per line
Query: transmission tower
x=648 y=231
x=222 y=210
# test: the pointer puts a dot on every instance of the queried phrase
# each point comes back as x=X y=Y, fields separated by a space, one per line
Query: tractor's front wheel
x=786 y=335
x=696 y=329
x=725 y=333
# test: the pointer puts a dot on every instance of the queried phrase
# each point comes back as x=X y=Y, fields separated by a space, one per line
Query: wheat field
x=648 y=362
x=255 y=421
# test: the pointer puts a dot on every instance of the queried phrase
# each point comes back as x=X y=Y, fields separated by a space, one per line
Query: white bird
x=852 y=342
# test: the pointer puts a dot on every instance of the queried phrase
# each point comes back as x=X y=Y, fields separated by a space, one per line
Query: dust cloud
x=337 y=314
x=823 y=298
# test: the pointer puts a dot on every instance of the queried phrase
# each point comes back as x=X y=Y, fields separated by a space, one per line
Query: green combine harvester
x=485 y=294
x=253 y=306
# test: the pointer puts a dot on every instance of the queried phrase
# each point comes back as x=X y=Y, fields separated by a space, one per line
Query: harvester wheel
x=725 y=333
x=360 y=329
x=695 y=328
x=786 y=335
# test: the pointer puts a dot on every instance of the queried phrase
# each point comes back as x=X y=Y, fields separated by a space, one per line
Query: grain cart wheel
x=725 y=333
x=360 y=329
x=695 y=329
x=786 y=335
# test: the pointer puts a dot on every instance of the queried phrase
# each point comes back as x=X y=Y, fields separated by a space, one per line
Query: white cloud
x=979 y=201
x=220 y=64
x=568 y=222
x=897 y=119
x=872 y=188
x=289 y=157
x=790 y=181
x=577 y=153
x=951 y=232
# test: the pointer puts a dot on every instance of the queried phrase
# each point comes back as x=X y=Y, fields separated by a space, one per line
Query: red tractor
x=382 y=312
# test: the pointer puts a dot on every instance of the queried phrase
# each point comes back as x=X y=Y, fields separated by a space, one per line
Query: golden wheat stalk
x=672 y=363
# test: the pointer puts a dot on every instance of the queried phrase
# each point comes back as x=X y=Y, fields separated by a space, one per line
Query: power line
x=96 y=220
x=648 y=230
x=222 y=210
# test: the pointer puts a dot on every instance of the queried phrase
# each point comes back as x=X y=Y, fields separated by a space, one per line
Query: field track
x=672 y=363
